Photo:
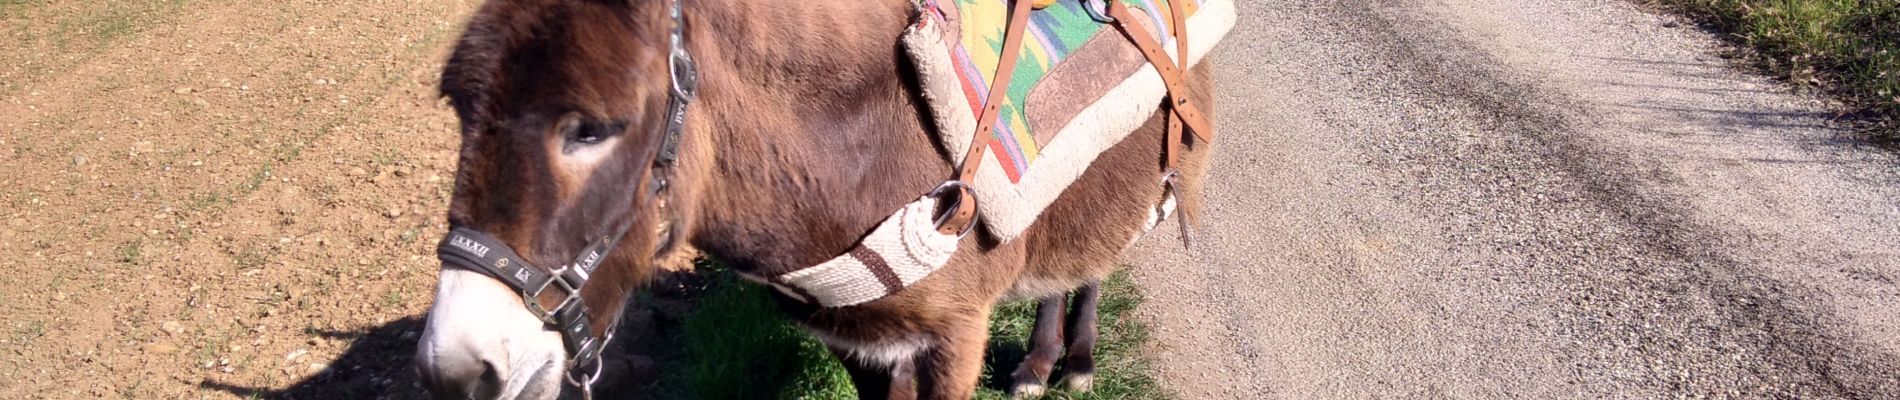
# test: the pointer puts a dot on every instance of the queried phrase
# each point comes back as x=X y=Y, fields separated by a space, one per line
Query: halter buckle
x=570 y=297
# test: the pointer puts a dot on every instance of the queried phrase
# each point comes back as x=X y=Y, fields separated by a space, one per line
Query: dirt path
x=1523 y=199
x=217 y=198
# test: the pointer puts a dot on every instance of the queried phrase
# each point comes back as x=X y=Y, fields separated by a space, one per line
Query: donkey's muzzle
x=455 y=369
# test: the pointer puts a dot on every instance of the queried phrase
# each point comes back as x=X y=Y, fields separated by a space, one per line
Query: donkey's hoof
x=1079 y=383
x=1027 y=391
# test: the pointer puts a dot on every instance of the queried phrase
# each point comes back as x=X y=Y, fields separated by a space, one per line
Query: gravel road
x=1523 y=199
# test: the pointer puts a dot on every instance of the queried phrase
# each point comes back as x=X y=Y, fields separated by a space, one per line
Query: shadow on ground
x=376 y=365
x=741 y=346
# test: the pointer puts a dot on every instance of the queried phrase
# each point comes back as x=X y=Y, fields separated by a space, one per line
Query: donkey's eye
x=586 y=134
x=579 y=132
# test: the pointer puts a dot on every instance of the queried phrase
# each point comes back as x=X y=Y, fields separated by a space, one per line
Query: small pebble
x=172 y=327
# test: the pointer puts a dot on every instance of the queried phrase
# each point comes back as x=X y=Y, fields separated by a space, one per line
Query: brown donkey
x=806 y=132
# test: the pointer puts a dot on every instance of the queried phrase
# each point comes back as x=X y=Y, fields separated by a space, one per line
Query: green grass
x=30 y=332
x=252 y=256
x=740 y=347
x=131 y=252
x=1851 y=47
x=1121 y=372
x=9 y=7
x=737 y=345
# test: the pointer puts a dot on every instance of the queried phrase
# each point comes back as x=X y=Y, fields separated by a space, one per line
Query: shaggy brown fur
x=807 y=133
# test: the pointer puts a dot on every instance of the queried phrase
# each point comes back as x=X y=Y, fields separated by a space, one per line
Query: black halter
x=469 y=248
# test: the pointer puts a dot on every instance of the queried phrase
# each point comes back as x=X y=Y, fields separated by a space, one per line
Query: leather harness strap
x=1182 y=111
x=1175 y=121
x=965 y=215
x=1170 y=71
x=1173 y=154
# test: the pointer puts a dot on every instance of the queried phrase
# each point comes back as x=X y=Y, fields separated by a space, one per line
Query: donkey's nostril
x=491 y=376
x=459 y=372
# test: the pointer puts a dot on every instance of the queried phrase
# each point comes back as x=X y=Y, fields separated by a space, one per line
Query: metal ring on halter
x=1098 y=14
x=951 y=210
x=587 y=387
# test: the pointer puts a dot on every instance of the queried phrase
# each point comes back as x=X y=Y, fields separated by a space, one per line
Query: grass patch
x=91 y=29
x=30 y=332
x=738 y=345
x=251 y=257
x=1850 y=47
x=1120 y=370
x=131 y=252
x=9 y=8
x=393 y=298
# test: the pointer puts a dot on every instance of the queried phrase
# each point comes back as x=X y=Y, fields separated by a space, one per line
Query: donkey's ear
x=472 y=75
x=468 y=81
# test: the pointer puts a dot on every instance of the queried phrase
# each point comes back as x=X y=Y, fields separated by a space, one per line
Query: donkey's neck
x=807 y=131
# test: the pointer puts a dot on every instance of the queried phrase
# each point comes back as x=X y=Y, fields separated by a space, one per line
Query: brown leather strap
x=986 y=122
x=1179 y=24
x=1180 y=110
x=1175 y=120
x=1169 y=70
x=999 y=88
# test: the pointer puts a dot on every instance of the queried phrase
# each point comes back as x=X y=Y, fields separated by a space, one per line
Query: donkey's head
x=558 y=208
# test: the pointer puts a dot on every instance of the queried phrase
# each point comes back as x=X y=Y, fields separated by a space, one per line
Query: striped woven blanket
x=1078 y=88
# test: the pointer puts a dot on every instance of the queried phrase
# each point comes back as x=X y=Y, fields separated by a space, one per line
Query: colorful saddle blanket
x=1079 y=87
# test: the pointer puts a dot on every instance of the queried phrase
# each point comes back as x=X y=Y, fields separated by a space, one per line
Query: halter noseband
x=470 y=248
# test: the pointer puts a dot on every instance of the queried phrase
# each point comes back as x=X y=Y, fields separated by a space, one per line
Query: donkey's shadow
x=379 y=362
x=650 y=341
x=376 y=365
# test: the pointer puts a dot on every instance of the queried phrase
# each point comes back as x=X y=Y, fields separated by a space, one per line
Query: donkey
x=807 y=131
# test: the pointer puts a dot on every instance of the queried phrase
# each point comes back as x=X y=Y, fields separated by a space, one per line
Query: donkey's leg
x=1079 y=363
x=895 y=382
x=1045 y=345
x=950 y=370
